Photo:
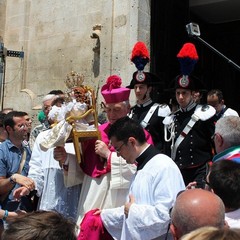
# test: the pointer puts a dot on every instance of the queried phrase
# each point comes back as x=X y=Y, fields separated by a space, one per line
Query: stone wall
x=57 y=36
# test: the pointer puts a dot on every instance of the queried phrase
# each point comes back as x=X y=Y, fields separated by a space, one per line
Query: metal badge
x=140 y=76
x=163 y=105
x=205 y=108
x=183 y=81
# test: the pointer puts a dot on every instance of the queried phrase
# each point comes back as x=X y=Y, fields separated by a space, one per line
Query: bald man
x=196 y=208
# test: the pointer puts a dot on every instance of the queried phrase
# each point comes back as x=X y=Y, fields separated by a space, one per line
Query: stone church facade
x=93 y=38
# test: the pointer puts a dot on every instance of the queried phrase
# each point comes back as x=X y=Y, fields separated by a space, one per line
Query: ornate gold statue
x=75 y=118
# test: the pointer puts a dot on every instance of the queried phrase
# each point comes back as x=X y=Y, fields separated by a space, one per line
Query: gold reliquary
x=74 y=116
x=84 y=125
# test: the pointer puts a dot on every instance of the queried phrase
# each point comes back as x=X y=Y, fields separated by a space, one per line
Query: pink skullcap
x=113 y=92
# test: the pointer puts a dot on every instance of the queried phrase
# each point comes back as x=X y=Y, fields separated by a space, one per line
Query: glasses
x=119 y=149
x=22 y=126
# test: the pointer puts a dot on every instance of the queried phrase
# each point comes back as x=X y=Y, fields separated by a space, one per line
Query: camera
x=193 y=29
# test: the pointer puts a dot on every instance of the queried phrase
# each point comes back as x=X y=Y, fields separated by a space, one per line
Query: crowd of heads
x=47 y=225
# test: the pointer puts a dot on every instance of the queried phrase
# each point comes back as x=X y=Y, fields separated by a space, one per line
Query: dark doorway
x=168 y=20
x=168 y=34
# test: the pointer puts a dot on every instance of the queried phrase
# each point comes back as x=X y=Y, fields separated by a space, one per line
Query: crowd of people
x=152 y=173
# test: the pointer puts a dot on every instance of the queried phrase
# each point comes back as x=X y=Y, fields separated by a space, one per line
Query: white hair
x=49 y=97
x=229 y=128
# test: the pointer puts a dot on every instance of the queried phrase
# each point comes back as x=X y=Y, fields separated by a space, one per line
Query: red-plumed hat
x=140 y=57
x=187 y=57
x=140 y=50
x=112 y=91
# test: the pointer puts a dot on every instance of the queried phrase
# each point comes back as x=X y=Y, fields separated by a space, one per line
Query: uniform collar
x=148 y=102
x=189 y=107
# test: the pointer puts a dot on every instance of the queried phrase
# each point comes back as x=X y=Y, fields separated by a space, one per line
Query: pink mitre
x=113 y=92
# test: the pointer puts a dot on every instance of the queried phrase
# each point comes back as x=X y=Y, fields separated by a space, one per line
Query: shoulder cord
x=169 y=128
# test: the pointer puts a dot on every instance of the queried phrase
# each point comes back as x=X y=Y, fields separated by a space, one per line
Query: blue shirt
x=10 y=159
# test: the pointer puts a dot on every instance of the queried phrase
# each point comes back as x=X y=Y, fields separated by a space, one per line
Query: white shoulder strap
x=130 y=115
x=148 y=116
x=183 y=134
x=201 y=113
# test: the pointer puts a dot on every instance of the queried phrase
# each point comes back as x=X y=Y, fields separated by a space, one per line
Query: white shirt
x=233 y=218
x=230 y=112
x=154 y=188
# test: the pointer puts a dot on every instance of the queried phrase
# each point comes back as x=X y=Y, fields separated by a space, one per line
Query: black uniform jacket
x=196 y=148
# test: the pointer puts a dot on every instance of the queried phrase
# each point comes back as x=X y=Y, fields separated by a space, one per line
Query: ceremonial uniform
x=149 y=114
x=157 y=112
x=189 y=129
x=195 y=148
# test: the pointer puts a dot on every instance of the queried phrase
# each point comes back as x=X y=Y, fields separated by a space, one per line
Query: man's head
x=47 y=103
x=29 y=121
x=41 y=225
x=197 y=96
x=196 y=208
x=116 y=111
x=224 y=180
x=142 y=92
x=16 y=125
x=215 y=99
x=227 y=133
x=116 y=99
x=184 y=97
x=127 y=137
